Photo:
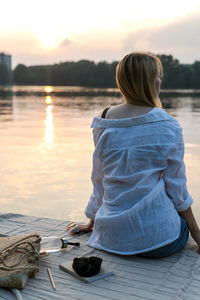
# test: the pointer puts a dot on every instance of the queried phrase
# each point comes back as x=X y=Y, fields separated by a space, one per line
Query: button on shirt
x=139 y=183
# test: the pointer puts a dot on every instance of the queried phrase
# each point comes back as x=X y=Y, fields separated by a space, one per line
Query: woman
x=140 y=204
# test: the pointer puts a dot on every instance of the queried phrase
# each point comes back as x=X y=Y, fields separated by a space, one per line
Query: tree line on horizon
x=87 y=73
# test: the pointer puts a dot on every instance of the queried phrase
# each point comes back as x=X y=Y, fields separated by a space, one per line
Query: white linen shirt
x=139 y=183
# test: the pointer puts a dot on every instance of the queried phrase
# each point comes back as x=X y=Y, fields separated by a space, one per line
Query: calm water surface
x=46 y=151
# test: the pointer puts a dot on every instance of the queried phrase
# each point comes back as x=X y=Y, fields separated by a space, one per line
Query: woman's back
x=130 y=157
x=133 y=157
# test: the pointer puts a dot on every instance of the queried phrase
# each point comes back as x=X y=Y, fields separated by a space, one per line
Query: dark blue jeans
x=171 y=248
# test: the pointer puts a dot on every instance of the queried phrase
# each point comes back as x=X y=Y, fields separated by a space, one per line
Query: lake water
x=46 y=150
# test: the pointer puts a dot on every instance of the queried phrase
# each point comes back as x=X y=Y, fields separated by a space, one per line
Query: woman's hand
x=74 y=228
x=192 y=224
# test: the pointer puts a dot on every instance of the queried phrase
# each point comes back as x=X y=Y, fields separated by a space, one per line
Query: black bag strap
x=105 y=112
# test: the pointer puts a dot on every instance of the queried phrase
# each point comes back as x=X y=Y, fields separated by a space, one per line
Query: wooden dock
x=176 y=277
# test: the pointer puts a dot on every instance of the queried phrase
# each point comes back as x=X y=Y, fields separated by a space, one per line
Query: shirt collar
x=154 y=115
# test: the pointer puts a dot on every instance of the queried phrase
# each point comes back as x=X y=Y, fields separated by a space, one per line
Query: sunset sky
x=45 y=32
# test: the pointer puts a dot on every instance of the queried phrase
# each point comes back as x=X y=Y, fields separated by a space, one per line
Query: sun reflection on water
x=48 y=89
x=48 y=100
x=49 y=134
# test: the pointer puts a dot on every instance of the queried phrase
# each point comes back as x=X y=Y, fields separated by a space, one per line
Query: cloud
x=180 y=38
x=96 y=46
x=65 y=43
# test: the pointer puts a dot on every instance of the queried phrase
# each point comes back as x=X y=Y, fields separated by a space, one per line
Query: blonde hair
x=135 y=75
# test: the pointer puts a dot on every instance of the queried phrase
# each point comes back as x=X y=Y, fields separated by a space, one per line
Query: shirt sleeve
x=98 y=190
x=175 y=178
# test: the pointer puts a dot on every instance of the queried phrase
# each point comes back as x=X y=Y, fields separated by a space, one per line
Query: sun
x=48 y=38
x=48 y=41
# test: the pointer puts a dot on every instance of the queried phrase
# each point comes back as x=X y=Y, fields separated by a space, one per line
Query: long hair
x=135 y=75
